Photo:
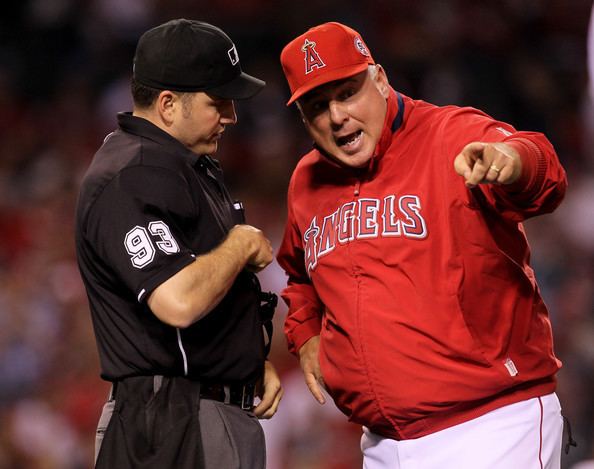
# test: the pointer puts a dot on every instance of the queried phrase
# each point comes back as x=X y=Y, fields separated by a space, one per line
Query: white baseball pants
x=525 y=435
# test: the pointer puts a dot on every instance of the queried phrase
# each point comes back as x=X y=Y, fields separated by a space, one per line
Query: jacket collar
x=392 y=122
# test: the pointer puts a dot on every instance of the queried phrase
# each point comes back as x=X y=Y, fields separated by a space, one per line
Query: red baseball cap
x=324 y=53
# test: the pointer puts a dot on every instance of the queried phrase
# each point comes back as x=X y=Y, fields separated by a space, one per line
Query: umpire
x=168 y=263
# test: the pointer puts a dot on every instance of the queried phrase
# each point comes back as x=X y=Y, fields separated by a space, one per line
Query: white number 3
x=140 y=246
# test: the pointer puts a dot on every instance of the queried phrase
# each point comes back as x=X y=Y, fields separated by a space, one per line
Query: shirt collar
x=144 y=128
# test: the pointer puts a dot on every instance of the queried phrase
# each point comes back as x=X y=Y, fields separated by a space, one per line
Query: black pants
x=162 y=428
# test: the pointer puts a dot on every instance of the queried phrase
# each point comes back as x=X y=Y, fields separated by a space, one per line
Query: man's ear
x=381 y=81
x=300 y=109
x=304 y=120
x=166 y=104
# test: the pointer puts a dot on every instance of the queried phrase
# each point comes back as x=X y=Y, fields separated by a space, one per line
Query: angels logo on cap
x=312 y=58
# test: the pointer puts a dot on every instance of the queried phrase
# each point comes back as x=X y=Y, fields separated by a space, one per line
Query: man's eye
x=347 y=93
x=318 y=106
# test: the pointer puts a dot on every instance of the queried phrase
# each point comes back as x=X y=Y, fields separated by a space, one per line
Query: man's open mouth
x=350 y=139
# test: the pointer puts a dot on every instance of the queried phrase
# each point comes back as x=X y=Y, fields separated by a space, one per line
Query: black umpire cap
x=187 y=56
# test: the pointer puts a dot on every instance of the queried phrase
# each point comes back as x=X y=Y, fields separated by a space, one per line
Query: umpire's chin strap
x=267 y=306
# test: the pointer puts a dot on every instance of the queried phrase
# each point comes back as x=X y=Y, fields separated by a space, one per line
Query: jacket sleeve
x=305 y=308
x=543 y=181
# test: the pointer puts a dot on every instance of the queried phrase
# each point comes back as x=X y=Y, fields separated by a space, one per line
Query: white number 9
x=139 y=246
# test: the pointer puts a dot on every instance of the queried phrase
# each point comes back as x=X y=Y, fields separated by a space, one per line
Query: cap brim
x=244 y=86
x=327 y=77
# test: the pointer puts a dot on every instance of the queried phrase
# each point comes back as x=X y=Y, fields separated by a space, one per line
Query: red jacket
x=421 y=290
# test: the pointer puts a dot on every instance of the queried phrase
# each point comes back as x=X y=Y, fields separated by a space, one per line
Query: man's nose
x=228 y=115
x=338 y=112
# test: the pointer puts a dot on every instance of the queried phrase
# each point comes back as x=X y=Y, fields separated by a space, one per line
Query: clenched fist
x=256 y=245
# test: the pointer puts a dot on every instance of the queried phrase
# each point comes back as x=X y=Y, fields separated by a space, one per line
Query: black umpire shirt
x=147 y=207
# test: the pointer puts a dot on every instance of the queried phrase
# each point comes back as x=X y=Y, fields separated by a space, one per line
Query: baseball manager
x=410 y=294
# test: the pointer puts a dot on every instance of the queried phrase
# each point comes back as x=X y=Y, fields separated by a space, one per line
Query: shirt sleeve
x=543 y=181
x=304 y=306
x=137 y=224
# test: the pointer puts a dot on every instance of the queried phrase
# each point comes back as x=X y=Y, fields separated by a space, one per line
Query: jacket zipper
x=369 y=170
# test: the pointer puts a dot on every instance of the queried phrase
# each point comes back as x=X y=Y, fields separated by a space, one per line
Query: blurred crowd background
x=64 y=73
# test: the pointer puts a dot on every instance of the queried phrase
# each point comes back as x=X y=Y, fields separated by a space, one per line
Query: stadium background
x=64 y=72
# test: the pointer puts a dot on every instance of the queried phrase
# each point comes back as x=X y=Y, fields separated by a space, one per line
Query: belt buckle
x=247 y=396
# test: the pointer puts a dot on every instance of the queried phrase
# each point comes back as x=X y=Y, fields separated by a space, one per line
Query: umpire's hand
x=270 y=392
x=254 y=244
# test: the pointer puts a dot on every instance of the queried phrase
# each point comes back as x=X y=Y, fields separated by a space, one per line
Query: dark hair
x=143 y=96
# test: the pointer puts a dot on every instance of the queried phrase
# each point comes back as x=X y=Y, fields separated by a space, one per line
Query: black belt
x=240 y=395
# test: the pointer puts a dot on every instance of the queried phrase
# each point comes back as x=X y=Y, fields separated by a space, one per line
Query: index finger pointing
x=465 y=161
x=473 y=150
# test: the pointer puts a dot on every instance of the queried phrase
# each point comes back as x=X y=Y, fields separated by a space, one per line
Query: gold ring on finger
x=495 y=168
